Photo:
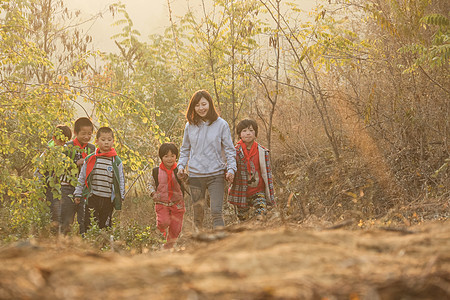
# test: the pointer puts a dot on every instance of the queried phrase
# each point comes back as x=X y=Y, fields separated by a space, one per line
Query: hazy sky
x=148 y=16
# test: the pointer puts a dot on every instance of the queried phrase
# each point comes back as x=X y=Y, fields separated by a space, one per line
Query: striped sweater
x=85 y=182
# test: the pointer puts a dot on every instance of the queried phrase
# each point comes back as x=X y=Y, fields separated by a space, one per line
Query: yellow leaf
x=353 y=195
x=361 y=223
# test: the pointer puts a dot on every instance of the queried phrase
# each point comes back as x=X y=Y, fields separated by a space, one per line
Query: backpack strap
x=155 y=173
x=90 y=148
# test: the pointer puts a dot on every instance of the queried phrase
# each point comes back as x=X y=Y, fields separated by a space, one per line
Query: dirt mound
x=241 y=262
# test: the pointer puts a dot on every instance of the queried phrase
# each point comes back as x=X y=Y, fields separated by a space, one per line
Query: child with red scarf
x=77 y=149
x=101 y=181
x=252 y=185
x=167 y=193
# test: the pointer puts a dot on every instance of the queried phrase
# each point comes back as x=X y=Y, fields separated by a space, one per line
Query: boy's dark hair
x=82 y=122
x=65 y=130
x=192 y=116
x=104 y=130
x=166 y=147
x=246 y=123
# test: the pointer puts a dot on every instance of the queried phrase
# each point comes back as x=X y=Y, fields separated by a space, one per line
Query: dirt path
x=288 y=262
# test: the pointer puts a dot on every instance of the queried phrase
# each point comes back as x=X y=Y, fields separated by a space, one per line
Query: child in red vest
x=167 y=193
x=252 y=185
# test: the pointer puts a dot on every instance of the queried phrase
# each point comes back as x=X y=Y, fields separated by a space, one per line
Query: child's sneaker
x=54 y=227
x=169 y=245
x=243 y=214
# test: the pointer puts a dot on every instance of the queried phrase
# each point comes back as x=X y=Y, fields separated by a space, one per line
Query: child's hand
x=80 y=162
x=156 y=196
x=181 y=174
x=229 y=177
x=77 y=200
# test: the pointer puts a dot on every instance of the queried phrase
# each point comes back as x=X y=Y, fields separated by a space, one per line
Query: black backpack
x=155 y=172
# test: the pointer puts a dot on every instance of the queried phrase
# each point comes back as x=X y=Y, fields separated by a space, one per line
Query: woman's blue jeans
x=215 y=186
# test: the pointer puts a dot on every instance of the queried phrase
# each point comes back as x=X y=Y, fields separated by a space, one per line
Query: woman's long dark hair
x=192 y=116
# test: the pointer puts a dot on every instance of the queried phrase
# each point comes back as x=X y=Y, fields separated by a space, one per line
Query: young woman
x=206 y=137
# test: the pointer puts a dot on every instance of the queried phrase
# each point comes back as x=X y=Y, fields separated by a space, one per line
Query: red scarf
x=76 y=142
x=91 y=162
x=169 y=177
x=248 y=155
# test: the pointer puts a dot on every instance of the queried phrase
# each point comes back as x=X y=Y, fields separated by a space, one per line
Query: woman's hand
x=229 y=177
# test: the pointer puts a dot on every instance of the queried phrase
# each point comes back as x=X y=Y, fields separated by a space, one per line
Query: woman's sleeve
x=185 y=149
x=230 y=151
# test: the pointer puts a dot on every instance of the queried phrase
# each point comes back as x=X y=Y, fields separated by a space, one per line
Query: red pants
x=170 y=217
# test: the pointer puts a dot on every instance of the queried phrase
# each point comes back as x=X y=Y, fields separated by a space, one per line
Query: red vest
x=163 y=188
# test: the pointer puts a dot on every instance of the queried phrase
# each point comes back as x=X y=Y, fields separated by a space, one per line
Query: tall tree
x=35 y=95
x=223 y=41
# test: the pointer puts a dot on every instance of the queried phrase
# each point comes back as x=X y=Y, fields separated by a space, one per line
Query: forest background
x=352 y=98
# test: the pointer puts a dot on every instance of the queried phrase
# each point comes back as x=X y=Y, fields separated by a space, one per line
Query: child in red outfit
x=167 y=193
